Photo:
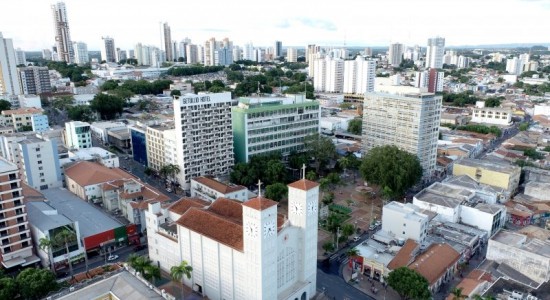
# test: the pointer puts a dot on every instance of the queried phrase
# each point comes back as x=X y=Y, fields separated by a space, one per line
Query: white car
x=355 y=239
x=112 y=257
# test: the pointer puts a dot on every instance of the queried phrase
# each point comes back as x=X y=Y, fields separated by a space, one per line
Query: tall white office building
x=62 y=33
x=359 y=75
x=237 y=53
x=291 y=54
x=395 y=56
x=328 y=75
x=205 y=137
x=210 y=47
x=78 y=135
x=434 y=52
x=248 y=52
x=81 y=56
x=20 y=57
x=408 y=121
x=514 y=66
x=108 y=49
x=9 y=81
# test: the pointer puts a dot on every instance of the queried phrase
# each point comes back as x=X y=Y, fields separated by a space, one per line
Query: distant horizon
x=376 y=24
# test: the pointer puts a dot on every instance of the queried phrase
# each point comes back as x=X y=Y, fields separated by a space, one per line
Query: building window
x=39 y=162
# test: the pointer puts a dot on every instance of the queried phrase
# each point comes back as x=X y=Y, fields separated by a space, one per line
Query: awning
x=15 y=261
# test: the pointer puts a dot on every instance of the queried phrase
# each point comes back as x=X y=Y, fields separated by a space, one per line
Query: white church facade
x=241 y=250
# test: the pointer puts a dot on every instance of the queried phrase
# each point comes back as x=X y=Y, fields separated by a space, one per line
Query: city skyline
x=378 y=24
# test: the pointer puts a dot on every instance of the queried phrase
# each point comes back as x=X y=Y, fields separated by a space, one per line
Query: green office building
x=264 y=125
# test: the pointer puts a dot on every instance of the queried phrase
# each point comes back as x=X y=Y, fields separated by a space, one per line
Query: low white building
x=100 y=155
x=335 y=123
x=488 y=217
x=29 y=101
x=78 y=135
x=211 y=189
x=542 y=109
x=404 y=221
x=100 y=130
x=444 y=200
x=531 y=257
x=492 y=115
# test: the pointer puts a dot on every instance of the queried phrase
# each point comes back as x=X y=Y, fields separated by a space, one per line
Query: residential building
x=20 y=57
x=273 y=124
x=493 y=173
x=529 y=256
x=278 y=49
x=154 y=138
x=435 y=81
x=78 y=135
x=514 y=66
x=395 y=55
x=120 y=139
x=210 y=47
x=108 y=49
x=410 y=122
x=359 y=76
x=328 y=75
x=39 y=163
x=63 y=41
x=210 y=189
x=223 y=56
x=81 y=56
x=488 y=194
x=170 y=147
x=373 y=259
x=23 y=119
x=46 y=54
x=437 y=264
x=16 y=248
x=492 y=115
x=434 y=52
x=312 y=52
x=168 y=42
x=488 y=217
x=85 y=178
x=404 y=221
x=262 y=254
x=9 y=83
x=192 y=54
x=34 y=80
x=204 y=135
x=291 y=54
x=46 y=222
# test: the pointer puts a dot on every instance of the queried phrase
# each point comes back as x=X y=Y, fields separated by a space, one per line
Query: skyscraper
x=34 y=80
x=20 y=57
x=410 y=122
x=108 y=50
x=81 y=56
x=434 y=52
x=278 y=49
x=291 y=54
x=9 y=82
x=168 y=42
x=62 y=34
x=359 y=75
x=395 y=56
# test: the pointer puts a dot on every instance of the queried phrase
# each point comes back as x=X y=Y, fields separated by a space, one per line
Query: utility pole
x=337 y=237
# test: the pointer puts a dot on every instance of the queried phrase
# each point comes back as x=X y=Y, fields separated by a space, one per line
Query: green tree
x=523 y=126
x=36 y=283
x=328 y=247
x=177 y=273
x=81 y=113
x=244 y=174
x=139 y=263
x=320 y=148
x=311 y=175
x=352 y=252
x=409 y=284
x=175 y=93
x=108 y=106
x=355 y=126
x=4 y=105
x=63 y=102
x=274 y=172
x=151 y=273
x=47 y=245
x=457 y=294
x=388 y=166
x=347 y=230
x=65 y=238
x=328 y=198
x=276 y=191
x=170 y=171
x=493 y=101
x=533 y=154
x=8 y=288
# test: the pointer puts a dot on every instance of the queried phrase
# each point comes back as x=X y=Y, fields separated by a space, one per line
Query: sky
x=294 y=22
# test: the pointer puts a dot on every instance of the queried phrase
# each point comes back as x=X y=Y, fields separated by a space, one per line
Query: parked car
x=169 y=190
x=372 y=227
x=112 y=257
x=355 y=239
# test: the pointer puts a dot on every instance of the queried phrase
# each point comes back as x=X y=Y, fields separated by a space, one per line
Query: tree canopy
x=355 y=126
x=108 y=106
x=193 y=70
x=276 y=191
x=267 y=167
x=4 y=105
x=393 y=169
x=493 y=101
x=409 y=284
x=320 y=148
x=82 y=113
x=36 y=283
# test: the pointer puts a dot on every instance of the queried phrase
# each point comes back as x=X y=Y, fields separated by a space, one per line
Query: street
x=336 y=288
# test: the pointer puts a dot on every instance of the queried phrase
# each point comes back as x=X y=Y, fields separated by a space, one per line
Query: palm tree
x=344 y=162
x=173 y=170
x=46 y=244
x=177 y=273
x=139 y=263
x=66 y=237
x=353 y=252
x=151 y=273
x=457 y=294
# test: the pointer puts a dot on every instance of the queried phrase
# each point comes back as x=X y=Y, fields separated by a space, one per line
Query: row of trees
x=193 y=70
x=481 y=129
x=460 y=99
x=131 y=87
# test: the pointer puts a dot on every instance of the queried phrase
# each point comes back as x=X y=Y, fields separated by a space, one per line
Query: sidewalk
x=365 y=286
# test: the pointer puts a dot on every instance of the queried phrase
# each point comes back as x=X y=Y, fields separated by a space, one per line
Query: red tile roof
x=405 y=255
x=260 y=203
x=304 y=184
x=218 y=186
x=228 y=208
x=182 y=205
x=86 y=173
x=433 y=263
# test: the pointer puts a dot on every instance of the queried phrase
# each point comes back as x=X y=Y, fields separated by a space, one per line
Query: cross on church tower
x=259 y=188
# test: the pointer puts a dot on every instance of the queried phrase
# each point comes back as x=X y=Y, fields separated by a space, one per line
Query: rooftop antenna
x=259 y=188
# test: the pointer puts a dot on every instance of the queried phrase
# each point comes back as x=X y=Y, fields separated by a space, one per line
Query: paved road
x=336 y=288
